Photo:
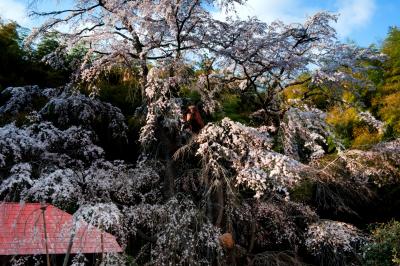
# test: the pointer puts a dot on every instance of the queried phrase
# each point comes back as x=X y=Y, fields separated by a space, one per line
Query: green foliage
x=344 y=122
x=384 y=249
x=193 y=95
x=48 y=44
x=11 y=53
x=390 y=111
x=386 y=101
x=119 y=87
x=331 y=144
x=391 y=47
x=233 y=107
x=351 y=129
x=135 y=123
x=304 y=191
x=124 y=96
x=121 y=95
x=319 y=97
x=19 y=66
x=77 y=53
x=325 y=97
x=342 y=104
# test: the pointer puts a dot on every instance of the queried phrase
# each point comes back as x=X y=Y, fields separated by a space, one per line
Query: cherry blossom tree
x=250 y=55
x=266 y=59
x=41 y=162
x=184 y=192
x=130 y=33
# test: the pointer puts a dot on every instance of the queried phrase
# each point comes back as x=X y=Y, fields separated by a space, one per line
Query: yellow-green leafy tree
x=387 y=100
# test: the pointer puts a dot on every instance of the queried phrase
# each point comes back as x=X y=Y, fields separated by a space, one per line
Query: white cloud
x=13 y=10
x=354 y=14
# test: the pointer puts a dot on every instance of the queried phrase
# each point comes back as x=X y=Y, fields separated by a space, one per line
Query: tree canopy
x=299 y=152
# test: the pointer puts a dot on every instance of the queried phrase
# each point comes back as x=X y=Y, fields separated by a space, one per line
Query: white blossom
x=21 y=99
x=59 y=186
x=338 y=236
x=368 y=118
x=181 y=237
x=248 y=152
x=379 y=165
x=20 y=175
x=75 y=108
x=102 y=215
x=305 y=133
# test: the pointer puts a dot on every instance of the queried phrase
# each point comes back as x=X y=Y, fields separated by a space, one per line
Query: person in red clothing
x=193 y=119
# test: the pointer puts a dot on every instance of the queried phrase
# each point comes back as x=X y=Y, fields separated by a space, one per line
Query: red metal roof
x=22 y=232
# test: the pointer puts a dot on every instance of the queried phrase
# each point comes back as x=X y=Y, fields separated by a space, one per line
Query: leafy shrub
x=343 y=122
x=234 y=107
x=384 y=250
x=356 y=129
x=390 y=111
x=363 y=138
x=120 y=87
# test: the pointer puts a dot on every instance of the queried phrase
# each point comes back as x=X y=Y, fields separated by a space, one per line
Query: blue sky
x=362 y=21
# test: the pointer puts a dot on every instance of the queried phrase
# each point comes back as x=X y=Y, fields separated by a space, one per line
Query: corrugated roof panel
x=22 y=232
